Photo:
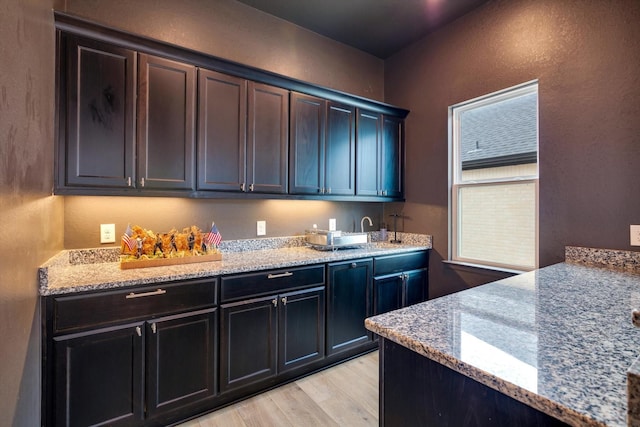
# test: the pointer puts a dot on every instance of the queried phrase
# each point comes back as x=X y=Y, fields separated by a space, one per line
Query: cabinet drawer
x=90 y=310
x=267 y=282
x=402 y=262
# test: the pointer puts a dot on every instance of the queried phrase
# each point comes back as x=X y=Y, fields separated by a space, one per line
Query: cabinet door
x=308 y=116
x=388 y=293
x=181 y=359
x=248 y=335
x=222 y=124
x=340 y=150
x=166 y=124
x=391 y=157
x=301 y=328
x=99 y=377
x=268 y=139
x=368 y=153
x=96 y=140
x=416 y=287
x=349 y=303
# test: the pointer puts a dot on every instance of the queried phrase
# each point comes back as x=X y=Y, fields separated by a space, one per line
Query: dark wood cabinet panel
x=349 y=303
x=301 y=328
x=399 y=290
x=248 y=341
x=222 y=124
x=418 y=391
x=388 y=292
x=268 y=139
x=181 y=365
x=166 y=123
x=416 y=287
x=369 y=128
x=307 y=121
x=379 y=155
x=99 y=377
x=392 y=157
x=340 y=150
x=96 y=133
x=400 y=280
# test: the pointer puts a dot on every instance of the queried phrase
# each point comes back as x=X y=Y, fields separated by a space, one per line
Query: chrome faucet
x=362 y=223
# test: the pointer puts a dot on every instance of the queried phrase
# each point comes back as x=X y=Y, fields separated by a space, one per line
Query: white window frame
x=455 y=179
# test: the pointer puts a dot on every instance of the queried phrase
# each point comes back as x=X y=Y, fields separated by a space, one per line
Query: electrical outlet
x=634 y=231
x=107 y=233
x=332 y=224
x=261 y=228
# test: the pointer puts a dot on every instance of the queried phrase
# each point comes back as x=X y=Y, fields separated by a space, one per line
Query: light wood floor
x=345 y=395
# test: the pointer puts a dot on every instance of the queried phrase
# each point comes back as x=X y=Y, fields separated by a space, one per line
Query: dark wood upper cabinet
x=166 y=124
x=242 y=135
x=97 y=113
x=379 y=153
x=323 y=146
x=140 y=117
x=340 y=150
x=307 y=121
x=268 y=139
x=392 y=157
x=368 y=138
x=222 y=115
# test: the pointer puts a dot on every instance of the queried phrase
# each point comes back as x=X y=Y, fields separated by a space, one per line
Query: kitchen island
x=547 y=347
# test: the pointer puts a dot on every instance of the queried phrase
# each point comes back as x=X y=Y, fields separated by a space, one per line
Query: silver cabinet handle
x=274 y=302
x=329 y=190
x=242 y=187
x=251 y=187
x=128 y=181
x=277 y=276
x=139 y=331
x=146 y=294
x=153 y=328
x=284 y=300
x=142 y=182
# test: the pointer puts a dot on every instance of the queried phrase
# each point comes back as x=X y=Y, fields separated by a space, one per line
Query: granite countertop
x=559 y=339
x=92 y=269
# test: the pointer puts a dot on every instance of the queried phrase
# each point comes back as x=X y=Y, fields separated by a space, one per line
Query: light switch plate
x=107 y=233
x=261 y=228
x=634 y=232
x=332 y=224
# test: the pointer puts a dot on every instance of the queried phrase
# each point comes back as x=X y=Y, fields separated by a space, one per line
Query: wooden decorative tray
x=143 y=263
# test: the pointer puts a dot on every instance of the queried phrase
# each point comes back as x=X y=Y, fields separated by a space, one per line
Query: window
x=494 y=179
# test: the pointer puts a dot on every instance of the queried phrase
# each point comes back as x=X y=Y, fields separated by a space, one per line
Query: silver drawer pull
x=146 y=294
x=277 y=276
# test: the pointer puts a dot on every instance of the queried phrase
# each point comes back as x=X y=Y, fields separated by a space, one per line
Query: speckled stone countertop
x=92 y=269
x=559 y=339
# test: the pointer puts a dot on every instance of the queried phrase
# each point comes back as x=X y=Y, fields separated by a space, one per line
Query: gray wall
x=31 y=220
x=586 y=57
x=231 y=30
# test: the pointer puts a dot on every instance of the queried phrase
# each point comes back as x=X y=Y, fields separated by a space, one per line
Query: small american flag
x=213 y=237
x=126 y=238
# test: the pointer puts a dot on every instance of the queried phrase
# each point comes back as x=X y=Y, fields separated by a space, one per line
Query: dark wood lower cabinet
x=399 y=290
x=264 y=336
x=158 y=354
x=349 y=303
x=99 y=377
x=181 y=360
x=248 y=341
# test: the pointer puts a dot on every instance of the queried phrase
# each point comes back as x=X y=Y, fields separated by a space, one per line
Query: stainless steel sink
x=329 y=240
